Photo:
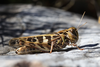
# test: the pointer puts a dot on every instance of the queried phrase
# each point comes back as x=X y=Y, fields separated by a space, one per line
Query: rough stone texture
x=40 y=20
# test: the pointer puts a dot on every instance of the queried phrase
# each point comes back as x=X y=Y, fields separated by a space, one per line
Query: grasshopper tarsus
x=77 y=47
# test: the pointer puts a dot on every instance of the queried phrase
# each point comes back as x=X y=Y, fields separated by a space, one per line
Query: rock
x=4 y=50
x=40 y=20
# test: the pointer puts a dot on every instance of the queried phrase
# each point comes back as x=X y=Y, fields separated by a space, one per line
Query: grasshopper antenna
x=81 y=25
x=81 y=20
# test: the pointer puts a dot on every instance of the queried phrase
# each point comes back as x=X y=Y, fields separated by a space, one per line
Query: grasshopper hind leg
x=26 y=50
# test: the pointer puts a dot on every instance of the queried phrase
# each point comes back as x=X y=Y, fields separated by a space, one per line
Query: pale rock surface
x=40 y=20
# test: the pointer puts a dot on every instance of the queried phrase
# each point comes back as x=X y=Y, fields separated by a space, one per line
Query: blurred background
x=78 y=6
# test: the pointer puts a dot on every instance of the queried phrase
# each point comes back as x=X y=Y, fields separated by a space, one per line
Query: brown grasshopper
x=46 y=42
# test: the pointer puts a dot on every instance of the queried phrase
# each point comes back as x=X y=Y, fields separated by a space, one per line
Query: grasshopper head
x=73 y=34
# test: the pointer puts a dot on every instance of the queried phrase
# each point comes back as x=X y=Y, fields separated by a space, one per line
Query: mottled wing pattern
x=37 y=43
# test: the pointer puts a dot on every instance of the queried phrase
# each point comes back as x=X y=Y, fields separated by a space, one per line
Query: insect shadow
x=84 y=46
x=91 y=45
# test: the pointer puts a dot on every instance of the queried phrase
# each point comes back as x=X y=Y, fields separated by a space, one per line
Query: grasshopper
x=46 y=42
